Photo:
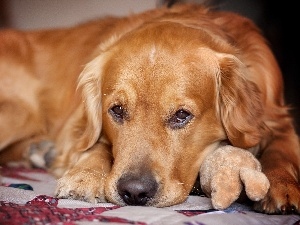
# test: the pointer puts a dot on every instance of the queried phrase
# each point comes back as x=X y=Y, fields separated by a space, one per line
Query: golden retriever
x=133 y=105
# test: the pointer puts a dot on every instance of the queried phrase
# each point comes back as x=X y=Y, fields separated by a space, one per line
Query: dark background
x=281 y=29
x=278 y=22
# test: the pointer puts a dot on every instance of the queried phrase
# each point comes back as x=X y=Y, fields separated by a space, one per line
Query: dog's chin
x=168 y=200
x=159 y=201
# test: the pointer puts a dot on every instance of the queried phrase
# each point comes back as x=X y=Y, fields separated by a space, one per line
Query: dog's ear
x=89 y=84
x=239 y=102
x=90 y=123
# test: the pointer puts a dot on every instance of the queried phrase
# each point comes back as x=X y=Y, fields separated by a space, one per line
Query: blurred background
x=276 y=19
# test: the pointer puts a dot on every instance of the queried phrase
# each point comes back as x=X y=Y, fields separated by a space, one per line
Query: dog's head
x=166 y=95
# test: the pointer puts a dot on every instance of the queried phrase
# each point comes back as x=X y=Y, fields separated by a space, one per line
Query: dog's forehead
x=163 y=68
x=162 y=56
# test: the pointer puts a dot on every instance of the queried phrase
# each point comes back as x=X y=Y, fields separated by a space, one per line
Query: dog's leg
x=20 y=124
x=280 y=162
x=29 y=152
x=18 y=121
x=86 y=179
x=20 y=117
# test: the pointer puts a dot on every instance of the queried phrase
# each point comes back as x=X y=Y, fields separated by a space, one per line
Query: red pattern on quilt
x=15 y=172
x=43 y=210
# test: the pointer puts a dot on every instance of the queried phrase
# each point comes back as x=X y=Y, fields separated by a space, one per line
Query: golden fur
x=156 y=93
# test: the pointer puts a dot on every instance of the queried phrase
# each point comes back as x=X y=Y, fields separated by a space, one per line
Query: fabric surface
x=26 y=197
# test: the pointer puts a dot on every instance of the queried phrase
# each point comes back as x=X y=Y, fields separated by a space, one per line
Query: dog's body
x=160 y=91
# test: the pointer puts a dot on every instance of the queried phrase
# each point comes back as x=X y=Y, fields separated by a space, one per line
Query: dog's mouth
x=144 y=190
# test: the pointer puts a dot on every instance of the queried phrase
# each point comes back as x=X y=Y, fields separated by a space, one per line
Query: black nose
x=137 y=189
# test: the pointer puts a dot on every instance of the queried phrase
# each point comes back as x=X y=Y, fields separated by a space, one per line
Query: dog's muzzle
x=137 y=189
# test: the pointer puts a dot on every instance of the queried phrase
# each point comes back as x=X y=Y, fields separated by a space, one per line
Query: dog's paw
x=82 y=184
x=41 y=154
x=283 y=198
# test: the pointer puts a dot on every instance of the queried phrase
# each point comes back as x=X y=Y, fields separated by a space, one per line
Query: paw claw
x=288 y=209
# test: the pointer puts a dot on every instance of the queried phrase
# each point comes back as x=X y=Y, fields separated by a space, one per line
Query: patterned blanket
x=26 y=197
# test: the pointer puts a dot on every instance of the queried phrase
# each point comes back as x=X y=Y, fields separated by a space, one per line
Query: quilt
x=26 y=197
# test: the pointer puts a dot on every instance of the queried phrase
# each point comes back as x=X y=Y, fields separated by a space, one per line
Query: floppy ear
x=91 y=118
x=89 y=84
x=239 y=102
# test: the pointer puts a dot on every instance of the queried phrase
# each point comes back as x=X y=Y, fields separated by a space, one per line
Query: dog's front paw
x=82 y=184
x=283 y=198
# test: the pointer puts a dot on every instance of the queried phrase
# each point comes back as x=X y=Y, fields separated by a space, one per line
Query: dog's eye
x=180 y=119
x=118 y=113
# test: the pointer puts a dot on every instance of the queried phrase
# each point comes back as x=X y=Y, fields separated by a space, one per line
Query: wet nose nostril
x=142 y=195
x=132 y=199
x=137 y=191
x=126 y=196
